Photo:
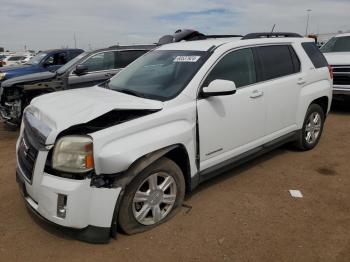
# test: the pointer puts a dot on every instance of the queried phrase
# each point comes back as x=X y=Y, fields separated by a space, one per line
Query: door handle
x=256 y=94
x=301 y=81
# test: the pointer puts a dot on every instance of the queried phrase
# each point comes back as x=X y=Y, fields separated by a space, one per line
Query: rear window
x=277 y=61
x=315 y=55
x=126 y=57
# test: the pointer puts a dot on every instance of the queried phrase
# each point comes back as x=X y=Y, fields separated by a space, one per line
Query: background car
x=86 y=69
x=337 y=53
x=49 y=60
x=13 y=60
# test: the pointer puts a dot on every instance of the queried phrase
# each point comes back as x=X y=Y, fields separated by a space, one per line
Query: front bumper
x=89 y=210
x=90 y=234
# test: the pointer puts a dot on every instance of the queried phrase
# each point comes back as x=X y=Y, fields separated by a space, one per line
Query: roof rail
x=222 y=36
x=188 y=35
x=270 y=35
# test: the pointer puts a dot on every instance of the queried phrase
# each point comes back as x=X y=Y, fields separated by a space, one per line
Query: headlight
x=2 y=76
x=73 y=154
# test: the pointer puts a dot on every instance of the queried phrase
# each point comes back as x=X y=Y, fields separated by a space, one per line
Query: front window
x=337 y=44
x=160 y=74
x=37 y=59
x=65 y=67
x=101 y=61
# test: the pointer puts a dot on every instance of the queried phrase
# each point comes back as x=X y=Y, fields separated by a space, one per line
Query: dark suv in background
x=86 y=69
x=49 y=60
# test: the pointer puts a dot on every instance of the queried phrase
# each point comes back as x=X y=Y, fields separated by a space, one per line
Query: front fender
x=118 y=155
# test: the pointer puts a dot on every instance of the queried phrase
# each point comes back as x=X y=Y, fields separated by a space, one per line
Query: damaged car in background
x=87 y=69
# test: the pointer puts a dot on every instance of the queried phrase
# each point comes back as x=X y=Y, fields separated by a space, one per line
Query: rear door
x=279 y=71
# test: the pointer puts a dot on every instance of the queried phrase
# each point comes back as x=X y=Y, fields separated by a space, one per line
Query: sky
x=45 y=24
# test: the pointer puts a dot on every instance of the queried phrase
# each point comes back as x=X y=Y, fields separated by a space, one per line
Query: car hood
x=338 y=58
x=61 y=110
x=13 y=71
x=28 y=78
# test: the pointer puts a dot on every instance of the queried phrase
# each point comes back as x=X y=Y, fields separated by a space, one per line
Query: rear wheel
x=311 y=131
x=152 y=198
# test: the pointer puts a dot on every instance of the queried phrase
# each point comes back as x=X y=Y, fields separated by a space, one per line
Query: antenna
x=273 y=28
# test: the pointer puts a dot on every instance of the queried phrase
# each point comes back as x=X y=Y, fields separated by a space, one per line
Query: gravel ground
x=244 y=215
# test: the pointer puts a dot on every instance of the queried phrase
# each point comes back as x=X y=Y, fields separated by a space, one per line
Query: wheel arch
x=323 y=102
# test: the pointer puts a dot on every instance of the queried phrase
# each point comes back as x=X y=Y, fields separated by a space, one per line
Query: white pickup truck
x=337 y=53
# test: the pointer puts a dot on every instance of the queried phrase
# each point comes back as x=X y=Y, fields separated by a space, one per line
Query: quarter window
x=237 y=66
x=315 y=55
x=277 y=61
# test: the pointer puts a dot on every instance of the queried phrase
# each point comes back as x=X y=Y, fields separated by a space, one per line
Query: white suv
x=337 y=52
x=124 y=155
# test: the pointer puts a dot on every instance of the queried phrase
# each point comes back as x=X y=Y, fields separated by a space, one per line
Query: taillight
x=330 y=69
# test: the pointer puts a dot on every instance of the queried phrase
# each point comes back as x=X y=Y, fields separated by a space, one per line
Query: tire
x=133 y=216
x=310 y=134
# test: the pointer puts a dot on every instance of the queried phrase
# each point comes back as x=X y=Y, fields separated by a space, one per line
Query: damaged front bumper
x=88 y=211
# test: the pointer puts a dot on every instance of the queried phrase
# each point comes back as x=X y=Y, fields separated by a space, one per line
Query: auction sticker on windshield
x=186 y=59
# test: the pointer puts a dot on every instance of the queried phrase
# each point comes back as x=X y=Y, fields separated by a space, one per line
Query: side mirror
x=80 y=69
x=219 y=88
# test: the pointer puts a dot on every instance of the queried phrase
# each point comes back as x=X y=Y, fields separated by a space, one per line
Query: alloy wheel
x=155 y=198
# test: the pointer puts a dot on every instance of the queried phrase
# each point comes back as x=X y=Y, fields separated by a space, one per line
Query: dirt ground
x=244 y=215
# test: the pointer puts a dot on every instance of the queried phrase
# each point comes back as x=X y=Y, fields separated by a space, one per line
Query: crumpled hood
x=28 y=78
x=338 y=58
x=63 y=109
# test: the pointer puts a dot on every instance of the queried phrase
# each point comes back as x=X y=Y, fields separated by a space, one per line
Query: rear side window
x=277 y=61
x=315 y=55
x=101 y=61
x=237 y=66
x=126 y=57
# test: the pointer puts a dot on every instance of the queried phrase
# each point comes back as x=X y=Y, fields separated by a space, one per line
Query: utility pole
x=307 y=21
x=75 y=41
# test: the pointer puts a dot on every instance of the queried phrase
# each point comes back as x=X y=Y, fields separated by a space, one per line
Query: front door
x=101 y=67
x=232 y=124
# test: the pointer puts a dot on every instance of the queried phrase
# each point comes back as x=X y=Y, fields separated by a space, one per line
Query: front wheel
x=310 y=134
x=153 y=197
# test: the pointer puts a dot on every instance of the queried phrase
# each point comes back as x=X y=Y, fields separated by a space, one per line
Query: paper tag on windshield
x=186 y=59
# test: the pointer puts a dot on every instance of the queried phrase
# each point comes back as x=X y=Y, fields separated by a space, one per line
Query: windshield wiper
x=131 y=92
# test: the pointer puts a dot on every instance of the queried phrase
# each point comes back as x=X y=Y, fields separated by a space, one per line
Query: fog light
x=61 y=205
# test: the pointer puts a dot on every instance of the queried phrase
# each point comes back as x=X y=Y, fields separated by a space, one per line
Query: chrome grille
x=341 y=75
x=27 y=154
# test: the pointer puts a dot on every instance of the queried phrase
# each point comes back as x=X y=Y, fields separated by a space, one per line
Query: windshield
x=337 y=44
x=66 y=66
x=37 y=59
x=159 y=75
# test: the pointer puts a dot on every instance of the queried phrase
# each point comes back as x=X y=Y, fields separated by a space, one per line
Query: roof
x=341 y=35
x=61 y=49
x=204 y=45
